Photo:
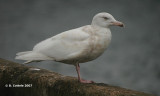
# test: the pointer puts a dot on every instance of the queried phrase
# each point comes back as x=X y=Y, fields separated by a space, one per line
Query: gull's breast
x=97 y=45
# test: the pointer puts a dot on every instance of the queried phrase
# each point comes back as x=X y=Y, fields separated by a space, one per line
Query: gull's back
x=66 y=45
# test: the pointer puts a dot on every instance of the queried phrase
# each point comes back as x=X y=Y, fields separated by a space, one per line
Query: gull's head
x=105 y=20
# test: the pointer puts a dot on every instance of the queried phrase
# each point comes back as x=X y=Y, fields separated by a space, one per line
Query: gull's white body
x=77 y=45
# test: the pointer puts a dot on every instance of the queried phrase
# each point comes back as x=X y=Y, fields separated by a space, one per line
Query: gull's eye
x=105 y=18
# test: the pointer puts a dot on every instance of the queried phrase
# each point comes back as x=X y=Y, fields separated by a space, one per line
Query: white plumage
x=75 y=46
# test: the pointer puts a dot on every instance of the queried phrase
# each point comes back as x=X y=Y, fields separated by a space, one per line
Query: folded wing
x=64 y=45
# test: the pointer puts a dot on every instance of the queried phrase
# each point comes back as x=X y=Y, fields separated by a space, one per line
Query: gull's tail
x=31 y=56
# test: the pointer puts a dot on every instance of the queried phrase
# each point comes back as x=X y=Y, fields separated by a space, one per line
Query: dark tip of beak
x=121 y=25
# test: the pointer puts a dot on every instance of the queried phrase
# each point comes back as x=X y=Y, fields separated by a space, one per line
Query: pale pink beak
x=117 y=23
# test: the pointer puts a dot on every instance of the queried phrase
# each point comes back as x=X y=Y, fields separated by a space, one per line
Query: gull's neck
x=94 y=26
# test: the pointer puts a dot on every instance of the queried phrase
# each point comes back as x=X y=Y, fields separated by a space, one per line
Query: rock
x=20 y=80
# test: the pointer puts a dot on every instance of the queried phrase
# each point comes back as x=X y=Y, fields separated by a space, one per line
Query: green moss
x=46 y=83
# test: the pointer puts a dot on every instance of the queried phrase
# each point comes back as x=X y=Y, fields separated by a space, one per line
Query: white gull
x=75 y=46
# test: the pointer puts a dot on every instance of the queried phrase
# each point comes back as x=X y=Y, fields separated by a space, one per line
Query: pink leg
x=79 y=78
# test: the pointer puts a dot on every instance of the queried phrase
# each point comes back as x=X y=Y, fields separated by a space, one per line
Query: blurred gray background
x=132 y=59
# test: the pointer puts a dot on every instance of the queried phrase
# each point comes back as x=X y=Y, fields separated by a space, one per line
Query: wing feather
x=63 y=45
